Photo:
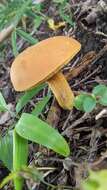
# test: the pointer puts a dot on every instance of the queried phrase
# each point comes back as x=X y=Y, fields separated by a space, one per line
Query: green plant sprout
x=28 y=127
x=86 y=102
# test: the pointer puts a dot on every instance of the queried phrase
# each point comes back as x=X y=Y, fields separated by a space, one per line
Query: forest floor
x=86 y=133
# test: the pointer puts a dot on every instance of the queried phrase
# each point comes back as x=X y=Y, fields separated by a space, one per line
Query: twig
x=67 y=120
x=86 y=78
x=97 y=162
x=93 y=144
x=101 y=34
x=100 y=54
x=77 y=122
x=101 y=114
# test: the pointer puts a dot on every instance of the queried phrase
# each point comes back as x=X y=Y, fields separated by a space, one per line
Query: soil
x=86 y=135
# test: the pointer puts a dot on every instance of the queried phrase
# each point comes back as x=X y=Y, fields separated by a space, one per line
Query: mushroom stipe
x=42 y=63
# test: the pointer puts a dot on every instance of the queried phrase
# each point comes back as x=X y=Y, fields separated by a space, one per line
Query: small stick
x=6 y=32
x=67 y=120
x=86 y=78
x=77 y=122
x=100 y=115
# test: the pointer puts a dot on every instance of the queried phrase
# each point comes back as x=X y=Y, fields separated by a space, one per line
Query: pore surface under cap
x=39 y=62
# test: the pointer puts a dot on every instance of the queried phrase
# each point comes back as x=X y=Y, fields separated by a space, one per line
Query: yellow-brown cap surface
x=39 y=62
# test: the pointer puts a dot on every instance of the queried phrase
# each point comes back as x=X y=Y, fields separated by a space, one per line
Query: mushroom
x=42 y=63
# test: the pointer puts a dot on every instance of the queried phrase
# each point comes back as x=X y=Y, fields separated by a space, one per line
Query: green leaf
x=14 y=43
x=103 y=100
x=28 y=96
x=36 y=130
x=37 y=21
x=78 y=103
x=38 y=7
x=26 y=36
x=89 y=103
x=96 y=181
x=3 y=105
x=6 y=150
x=41 y=105
x=85 y=102
x=100 y=92
x=90 y=185
x=20 y=156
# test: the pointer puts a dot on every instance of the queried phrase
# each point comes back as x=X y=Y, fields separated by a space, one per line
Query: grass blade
x=14 y=43
x=26 y=36
x=27 y=97
x=20 y=156
x=41 y=105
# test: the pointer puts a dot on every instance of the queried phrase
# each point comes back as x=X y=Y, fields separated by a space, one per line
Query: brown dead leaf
x=86 y=60
x=54 y=114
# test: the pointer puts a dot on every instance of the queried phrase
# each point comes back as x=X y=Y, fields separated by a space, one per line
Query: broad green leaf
x=6 y=150
x=14 y=43
x=78 y=103
x=41 y=105
x=85 y=102
x=32 y=128
x=100 y=92
x=3 y=105
x=26 y=36
x=24 y=99
x=103 y=100
x=20 y=156
x=89 y=103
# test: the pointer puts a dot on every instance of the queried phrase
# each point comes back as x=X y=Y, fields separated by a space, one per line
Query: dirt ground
x=86 y=133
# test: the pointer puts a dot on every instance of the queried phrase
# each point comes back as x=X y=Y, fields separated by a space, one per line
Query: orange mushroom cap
x=40 y=62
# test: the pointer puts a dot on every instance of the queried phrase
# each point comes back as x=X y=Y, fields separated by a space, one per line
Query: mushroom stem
x=62 y=91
